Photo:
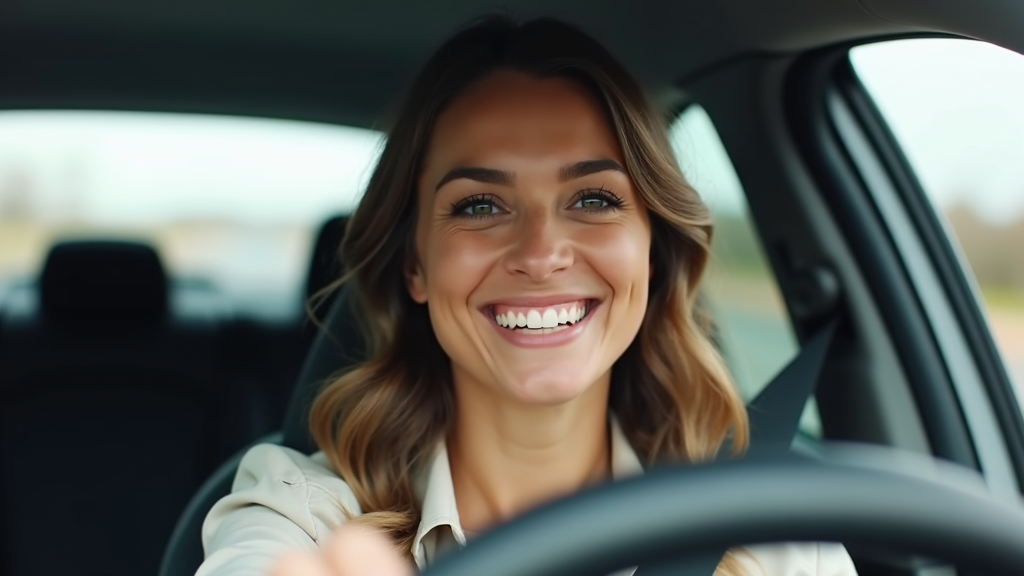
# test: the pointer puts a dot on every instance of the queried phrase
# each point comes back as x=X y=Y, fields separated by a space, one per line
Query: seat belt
x=774 y=421
x=775 y=412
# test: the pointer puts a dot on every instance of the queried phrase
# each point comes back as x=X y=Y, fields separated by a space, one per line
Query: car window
x=234 y=202
x=754 y=331
x=955 y=107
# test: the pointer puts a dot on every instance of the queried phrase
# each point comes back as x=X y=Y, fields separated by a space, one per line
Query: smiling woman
x=562 y=230
x=526 y=258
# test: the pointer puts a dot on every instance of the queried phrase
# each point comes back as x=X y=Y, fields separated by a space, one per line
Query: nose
x=541 y=247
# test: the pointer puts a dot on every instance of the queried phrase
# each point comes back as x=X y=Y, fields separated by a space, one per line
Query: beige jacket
x=283 y=500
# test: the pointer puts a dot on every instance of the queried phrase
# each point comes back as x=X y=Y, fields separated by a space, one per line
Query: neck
x=507 y=458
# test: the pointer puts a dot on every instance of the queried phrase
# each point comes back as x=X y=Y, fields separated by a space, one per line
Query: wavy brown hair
x=381 y=422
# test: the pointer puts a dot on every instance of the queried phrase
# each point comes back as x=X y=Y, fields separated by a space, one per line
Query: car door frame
x=917 y=273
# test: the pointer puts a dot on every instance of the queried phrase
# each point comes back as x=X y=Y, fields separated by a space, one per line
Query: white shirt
x=283 y=500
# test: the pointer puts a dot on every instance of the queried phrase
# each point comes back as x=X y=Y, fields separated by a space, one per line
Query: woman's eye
x=597 y=201
x=592 y=203
x=476 y=207
x=480 y=209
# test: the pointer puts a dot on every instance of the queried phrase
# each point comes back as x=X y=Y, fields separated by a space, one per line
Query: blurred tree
x=995 y=251
x=735 y=245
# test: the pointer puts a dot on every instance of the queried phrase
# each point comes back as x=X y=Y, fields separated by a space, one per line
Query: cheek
x=621 y=255
x=457 y=265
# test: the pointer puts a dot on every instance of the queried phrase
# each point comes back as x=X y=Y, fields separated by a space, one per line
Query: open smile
x=548 y=325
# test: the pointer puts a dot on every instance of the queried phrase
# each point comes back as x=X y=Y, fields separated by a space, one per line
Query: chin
x=548 y=389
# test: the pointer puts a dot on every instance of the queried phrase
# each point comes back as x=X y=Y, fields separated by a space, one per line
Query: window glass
x=232 y=201
x=755 y=334
x=957 y=108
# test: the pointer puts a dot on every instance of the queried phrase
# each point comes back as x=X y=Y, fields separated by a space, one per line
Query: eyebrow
x=588 y=167
x=506 y=178
x=485 y=175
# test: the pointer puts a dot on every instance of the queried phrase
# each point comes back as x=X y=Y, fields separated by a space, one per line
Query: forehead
x=513 y=114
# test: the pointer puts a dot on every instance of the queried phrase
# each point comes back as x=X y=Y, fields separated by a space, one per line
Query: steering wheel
x=696 y=511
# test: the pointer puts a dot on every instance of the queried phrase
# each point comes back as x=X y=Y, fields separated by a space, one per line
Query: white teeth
x=533 y=320
x=550 y=319
x=542 y=320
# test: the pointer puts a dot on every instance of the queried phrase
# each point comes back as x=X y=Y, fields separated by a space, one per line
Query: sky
x=957 y=106
x=120 y=168
x=705 y=162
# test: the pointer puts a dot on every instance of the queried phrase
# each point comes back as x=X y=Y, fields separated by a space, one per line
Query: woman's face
x=533 y=246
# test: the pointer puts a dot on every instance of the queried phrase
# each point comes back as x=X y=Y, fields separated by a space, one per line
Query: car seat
x=338 y=345
x=113 y=409
x=325 y=265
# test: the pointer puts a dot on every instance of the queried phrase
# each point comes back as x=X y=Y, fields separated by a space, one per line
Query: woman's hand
x=351 y=551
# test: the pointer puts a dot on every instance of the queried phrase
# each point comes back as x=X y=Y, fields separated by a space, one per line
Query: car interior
x=119 y=380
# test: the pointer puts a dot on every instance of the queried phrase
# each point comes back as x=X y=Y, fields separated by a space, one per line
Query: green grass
x=1003 y=297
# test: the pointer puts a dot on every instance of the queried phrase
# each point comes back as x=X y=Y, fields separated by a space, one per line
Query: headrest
x=339 y=345
x=103 y=284
x=325 y=267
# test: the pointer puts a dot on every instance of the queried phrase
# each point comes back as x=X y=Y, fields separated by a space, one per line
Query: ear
x=415 y=281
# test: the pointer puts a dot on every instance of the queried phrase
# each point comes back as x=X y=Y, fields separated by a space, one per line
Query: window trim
x=961 y=299
x=824 y=298
x=845 y=195
x=705 y=300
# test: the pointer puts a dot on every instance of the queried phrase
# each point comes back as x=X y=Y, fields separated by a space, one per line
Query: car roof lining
x=346 y=62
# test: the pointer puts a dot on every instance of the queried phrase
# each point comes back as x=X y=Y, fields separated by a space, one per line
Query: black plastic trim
x=844 y=192
x=945 y=260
